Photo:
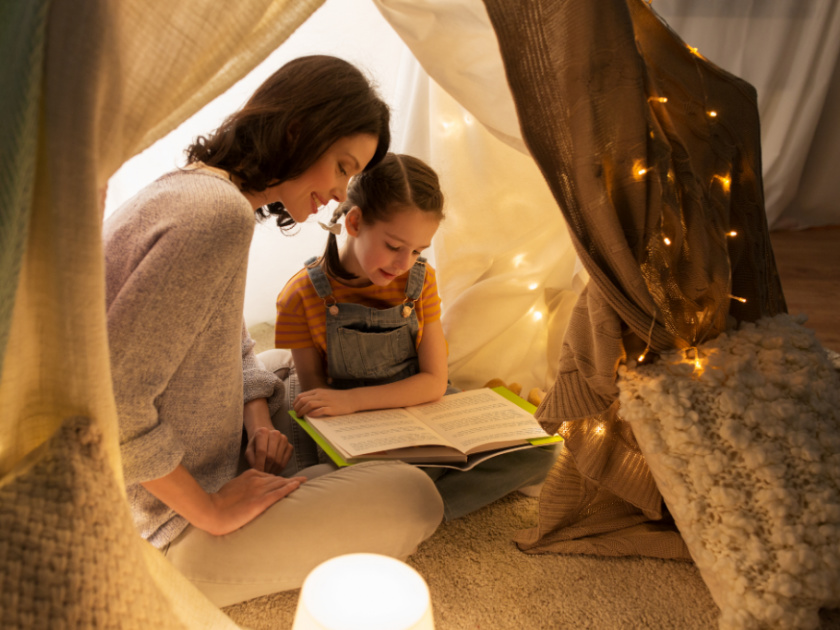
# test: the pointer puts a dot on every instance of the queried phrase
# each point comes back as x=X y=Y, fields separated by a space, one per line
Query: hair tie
x=332 y=227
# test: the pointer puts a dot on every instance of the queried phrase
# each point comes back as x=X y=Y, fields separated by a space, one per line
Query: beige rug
x=479 y=580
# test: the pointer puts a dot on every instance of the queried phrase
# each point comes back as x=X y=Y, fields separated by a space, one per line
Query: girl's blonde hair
x=397 y=183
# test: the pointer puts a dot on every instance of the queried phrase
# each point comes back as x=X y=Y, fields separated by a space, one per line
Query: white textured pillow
x=746 y=453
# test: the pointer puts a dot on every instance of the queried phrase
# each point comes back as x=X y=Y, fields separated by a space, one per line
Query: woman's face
x=326 y=180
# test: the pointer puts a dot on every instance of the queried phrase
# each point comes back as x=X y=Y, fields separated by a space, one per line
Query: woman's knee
x=406 y=486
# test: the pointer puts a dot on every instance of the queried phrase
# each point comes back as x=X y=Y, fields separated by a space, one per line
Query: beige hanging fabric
x=89 y=87
x=653 y=155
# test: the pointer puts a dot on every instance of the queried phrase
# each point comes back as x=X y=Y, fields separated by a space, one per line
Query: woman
x=186 y=380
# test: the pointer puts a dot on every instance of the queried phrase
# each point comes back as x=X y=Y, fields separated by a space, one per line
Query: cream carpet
x=479 y=580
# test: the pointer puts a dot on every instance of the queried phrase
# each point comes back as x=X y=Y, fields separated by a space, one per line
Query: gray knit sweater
x=176 y=256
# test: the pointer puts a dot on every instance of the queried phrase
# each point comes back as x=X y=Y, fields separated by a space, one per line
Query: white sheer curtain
x=503 y=255
x=349 y=29
x=507 y=270
x=788 y=50
x=505 y=264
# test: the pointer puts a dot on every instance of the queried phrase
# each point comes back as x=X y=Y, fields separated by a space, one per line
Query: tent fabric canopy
x=653 y=155
x=70 y=552
x=96 y=86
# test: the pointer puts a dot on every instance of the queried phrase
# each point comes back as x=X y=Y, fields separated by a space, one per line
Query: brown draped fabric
x=653 y=155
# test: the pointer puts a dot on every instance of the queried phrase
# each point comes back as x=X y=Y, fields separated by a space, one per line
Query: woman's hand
x=268 y=450
x=325 y=402
x=236 y=503
x=244 y=498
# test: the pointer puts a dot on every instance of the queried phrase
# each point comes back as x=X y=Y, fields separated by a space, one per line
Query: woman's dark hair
x=397 y=183
x=290 y=121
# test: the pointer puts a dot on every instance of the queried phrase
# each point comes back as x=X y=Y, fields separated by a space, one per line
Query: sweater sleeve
x=169 y=260
x=257 y=381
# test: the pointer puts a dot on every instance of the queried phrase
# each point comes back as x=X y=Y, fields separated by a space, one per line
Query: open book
x=457 y=431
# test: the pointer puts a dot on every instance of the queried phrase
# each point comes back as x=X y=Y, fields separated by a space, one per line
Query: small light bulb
x=694 y=51
x=533 y=286
x=732 y=233
x=538 y=316
x=641 y=172
x=667 y=240
x=712 y=113
x=698 y=364
x=599 y=429
x=740 y=299
x=659 y=99
x=641 y=357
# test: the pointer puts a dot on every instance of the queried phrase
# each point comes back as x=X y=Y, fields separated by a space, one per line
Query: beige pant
x=375 y=507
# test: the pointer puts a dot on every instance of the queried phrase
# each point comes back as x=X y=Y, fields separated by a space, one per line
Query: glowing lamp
x=364 y=591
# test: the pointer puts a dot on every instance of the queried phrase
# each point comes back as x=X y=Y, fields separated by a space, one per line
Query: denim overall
x=369 y=346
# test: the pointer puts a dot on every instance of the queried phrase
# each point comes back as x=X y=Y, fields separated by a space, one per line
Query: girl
x=363 y=323
x=188 y=387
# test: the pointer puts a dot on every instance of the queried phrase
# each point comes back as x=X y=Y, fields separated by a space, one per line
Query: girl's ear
x=353 y=221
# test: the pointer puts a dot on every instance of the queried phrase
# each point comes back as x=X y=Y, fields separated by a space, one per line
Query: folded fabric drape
x=653 y=155
x=97 y=84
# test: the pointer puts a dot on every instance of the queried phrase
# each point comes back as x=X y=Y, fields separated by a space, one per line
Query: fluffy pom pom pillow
x=744 y=443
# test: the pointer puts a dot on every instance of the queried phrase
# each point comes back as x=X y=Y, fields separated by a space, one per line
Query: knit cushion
x=70 y=555
x=746 y=452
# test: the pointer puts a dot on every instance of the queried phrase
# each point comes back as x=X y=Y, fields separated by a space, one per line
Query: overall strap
x=416 y=278
x=318 y=278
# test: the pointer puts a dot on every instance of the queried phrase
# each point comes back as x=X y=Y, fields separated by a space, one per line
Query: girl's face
x=384 y=250
x=326 y=179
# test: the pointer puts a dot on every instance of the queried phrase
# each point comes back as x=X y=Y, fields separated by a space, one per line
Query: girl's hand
x=324 y=402
x=244 y=498
x=268 y=450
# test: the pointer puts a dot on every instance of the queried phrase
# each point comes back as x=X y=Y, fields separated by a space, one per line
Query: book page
x=479 y=418
x=370 y=431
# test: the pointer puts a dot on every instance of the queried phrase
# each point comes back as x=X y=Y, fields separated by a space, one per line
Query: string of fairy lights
x=640 y=170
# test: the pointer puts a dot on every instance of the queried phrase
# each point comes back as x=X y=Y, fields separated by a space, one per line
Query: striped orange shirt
x=301 y=314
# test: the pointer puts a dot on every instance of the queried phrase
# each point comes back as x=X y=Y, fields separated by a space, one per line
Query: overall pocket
x=375 y=355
